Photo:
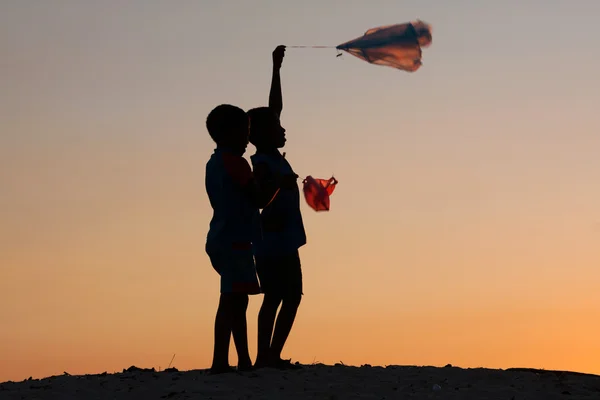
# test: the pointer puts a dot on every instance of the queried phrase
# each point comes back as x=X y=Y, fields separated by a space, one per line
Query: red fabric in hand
x=317 y=192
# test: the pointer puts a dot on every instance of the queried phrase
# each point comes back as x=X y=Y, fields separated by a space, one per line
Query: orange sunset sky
x=465 y=228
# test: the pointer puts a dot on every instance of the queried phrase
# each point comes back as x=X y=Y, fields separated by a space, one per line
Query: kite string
x=310 y=47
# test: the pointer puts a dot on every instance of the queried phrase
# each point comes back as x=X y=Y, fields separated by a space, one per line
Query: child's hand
x=278 y=55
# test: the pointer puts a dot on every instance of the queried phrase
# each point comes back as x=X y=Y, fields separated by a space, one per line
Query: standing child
x=230 y=188
x=281 y=231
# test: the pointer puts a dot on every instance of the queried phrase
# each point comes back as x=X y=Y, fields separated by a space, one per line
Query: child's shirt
x=235 y=214
x=281 y=229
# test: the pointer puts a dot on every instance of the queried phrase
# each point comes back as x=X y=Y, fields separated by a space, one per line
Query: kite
x=397 y=46
x=317 y=192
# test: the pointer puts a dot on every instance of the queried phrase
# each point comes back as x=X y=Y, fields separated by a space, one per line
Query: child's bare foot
x=261 y=363
x=245 y=366
x=220 y=369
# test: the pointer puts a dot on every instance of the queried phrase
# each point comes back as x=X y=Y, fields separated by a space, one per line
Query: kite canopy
x=397 y=46
x=317 y=192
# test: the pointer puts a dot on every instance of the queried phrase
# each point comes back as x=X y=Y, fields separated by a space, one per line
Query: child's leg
x=267 y=268
x=243 y=282
x=240 y=331
x=266 y=322
x=223 y=323
x=238 y=278
x=291 y=289
x=283 y=327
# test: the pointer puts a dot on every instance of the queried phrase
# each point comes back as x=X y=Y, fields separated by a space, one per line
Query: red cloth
x=238 y=168
x=317 y=192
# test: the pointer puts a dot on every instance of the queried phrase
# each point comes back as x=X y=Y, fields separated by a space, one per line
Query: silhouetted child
x=232 y=193
x=281 y=231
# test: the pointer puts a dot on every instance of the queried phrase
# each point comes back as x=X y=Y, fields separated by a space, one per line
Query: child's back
x=234 y=214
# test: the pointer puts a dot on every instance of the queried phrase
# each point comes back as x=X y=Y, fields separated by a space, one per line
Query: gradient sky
x=465 y=228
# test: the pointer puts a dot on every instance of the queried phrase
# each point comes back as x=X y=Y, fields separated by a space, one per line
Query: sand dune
x=314 y=382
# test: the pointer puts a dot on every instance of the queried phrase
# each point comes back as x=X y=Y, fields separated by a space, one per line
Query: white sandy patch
x=314 y=382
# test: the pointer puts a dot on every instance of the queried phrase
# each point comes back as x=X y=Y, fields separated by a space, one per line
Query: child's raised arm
x=275 y=95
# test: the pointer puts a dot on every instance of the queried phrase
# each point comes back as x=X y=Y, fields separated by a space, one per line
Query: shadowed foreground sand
x=315 y=382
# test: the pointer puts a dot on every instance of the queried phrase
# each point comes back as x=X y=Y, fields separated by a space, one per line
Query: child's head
x=228 y=126
x=266 y=131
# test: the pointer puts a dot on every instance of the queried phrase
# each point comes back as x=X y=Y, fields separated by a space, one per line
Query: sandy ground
x=314 y=382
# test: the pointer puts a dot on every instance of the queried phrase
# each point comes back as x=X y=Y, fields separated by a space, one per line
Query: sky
x=465 y=228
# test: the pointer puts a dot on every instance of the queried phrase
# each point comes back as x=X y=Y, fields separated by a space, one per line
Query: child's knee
x=234 y=301
x=292 y=300
x=242 y=301
x=271 y=301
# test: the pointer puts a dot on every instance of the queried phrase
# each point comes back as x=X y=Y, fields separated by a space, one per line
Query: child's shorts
x=237 y=271
x=280 y=275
